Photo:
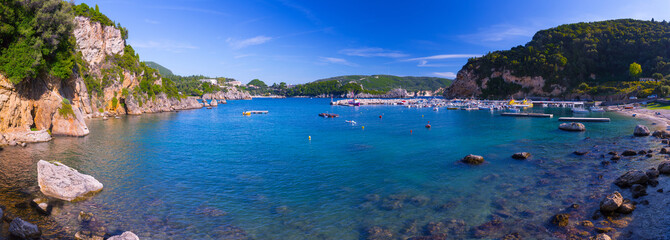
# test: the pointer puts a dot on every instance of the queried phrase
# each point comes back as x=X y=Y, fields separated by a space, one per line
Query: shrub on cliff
x=36 y=37
x=66 y=109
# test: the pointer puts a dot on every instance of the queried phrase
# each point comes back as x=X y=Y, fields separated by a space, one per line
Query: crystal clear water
x=213 y=173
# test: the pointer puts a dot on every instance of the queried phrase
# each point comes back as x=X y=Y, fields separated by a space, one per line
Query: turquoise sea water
x=215 y=174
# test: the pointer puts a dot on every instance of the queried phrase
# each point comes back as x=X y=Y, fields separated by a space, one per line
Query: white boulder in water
x=213 y=103
x=63 y=182
x=125 y=236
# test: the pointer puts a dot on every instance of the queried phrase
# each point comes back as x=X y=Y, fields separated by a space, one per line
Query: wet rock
x=65 y=183
x=473 y=159
x=419 y=200
x=409 y=228
x=629 y=153
x=125 y=236
x=23 y=229
x=641 y=131
x=512 y=236
x=603 y=236
x=378 y=233
x=631 y=177
x=659 y=190
x=85 y=217
x=626 y=208
x=281 y=210
x=521 y=155
x=664 y=167
x=611 y=203
x=662 y=134
x=612 y=153
x=615 y=158
x=638 y=190
x=580 y=153
x=652 y=182
x=664 y=151
x=41 y=205
x=456 y=227
x=561 y=219
x=641 y=152
x=572 y=127
x=586 y=223
x=605 y=163
x=649 y=155
x=664 y=141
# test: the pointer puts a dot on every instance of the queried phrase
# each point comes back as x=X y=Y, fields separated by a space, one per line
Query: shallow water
x=210 y=174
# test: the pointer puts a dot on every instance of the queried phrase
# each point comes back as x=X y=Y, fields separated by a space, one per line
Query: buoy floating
x=410 y=131
x=428 y=125
x=380 y=116
x=310 y=138
x=362 y=127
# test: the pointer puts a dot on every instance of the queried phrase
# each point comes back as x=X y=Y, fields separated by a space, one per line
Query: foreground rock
x=572 y=127
x=213 y=103
x=125 y=236
x=662 y=134
x=62 y=182
x=521 y=155
x=611 y=203
x=664 y=167
x=630 y=178
x=603 y=236
x=23 y=229
x=641 y=131
x=473 y=159
x=41 y=205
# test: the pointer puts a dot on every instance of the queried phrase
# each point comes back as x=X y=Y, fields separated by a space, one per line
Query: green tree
x=583 y=86
x=635 y=70
x=258 y=83
x=664 y=91
x=657 y=76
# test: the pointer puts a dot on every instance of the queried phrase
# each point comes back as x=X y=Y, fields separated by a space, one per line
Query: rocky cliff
x=229 y=93
x=470 y=84
x=35 y=109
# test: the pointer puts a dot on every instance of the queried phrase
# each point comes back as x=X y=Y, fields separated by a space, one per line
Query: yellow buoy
x=362 y=127
x=421 y=115
x=310 y=138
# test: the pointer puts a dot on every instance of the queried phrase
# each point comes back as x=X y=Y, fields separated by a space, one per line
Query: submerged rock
x=629 y=153
x=41 y=205
x=664 y=167
x=580 y=153
x=652 y=173
x=230 y=232
x=641 y=131
x=611 y=203
x=631 y=177
x=663 y=134
x=23 y=229
x=62 y=182
x=473 y=159
x=125 y=236
x=638 y=190
x=561 y=219
x=378 y=233
x=572 y=127
x=521 y=155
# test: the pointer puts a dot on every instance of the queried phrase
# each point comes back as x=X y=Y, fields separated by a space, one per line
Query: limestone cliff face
x=29 y=111
x=469 y=84
x=230 y=93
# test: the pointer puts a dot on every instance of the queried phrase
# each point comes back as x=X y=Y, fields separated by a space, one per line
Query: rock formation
x=125 y=236
x=62 y=182
x=641 y=130
x=572 y=127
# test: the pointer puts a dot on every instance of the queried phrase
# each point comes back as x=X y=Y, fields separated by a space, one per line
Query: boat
x=579 y=110
x=436 y=109
x=452 y=108
x=597 y=109
x=248 y=113
x=514 y=110
x=352 y=122
x=328 y=115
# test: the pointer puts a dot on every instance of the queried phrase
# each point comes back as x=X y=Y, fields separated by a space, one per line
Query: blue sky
x=300 y=41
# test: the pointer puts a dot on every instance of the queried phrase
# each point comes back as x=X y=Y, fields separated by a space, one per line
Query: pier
x=583 y=119
x=536 y=115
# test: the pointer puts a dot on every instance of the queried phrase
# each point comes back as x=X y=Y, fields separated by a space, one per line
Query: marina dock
x=583 y=119
x=537 y=115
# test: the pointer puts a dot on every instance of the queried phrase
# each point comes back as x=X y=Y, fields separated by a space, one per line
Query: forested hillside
x=597 y=55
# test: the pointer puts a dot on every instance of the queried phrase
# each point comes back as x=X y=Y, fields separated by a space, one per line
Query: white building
x=209 y=80
x=234 y=83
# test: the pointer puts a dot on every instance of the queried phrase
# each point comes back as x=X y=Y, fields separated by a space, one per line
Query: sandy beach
x=662 y=119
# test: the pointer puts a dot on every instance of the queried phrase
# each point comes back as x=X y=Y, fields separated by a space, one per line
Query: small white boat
x=352 y=122
x=579 y=110
x=597 y=109
x=436 y=109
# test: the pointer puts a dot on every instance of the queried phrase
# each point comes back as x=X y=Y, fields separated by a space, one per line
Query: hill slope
x=559 y=59
x=387 y=82
x=163 y=71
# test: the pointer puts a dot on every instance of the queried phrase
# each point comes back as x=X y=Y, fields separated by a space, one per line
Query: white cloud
x=165 y=45
x=500 y=33
x=237 y=44
x=445 y=74
x=425 y=61
x=337 y=61
x=149 y=21
x=372 y=52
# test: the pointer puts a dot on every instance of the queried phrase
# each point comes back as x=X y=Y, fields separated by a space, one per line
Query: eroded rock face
x=69 y=125
x=468 y=84
x=229 y=93
x=95 y=41
x=62 y=182
x=611 y=203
